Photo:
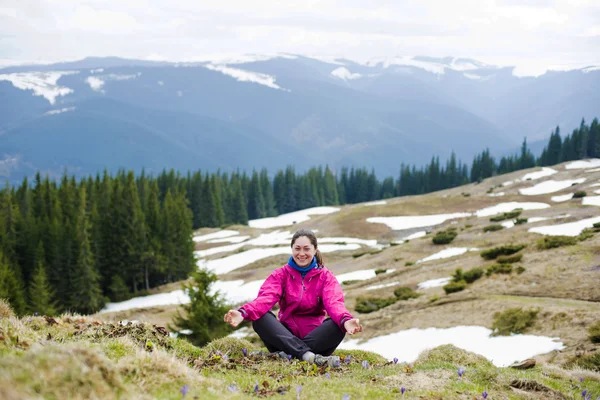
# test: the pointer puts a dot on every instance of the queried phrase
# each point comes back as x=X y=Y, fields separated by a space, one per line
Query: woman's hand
x=233 y=318
x=353 y=326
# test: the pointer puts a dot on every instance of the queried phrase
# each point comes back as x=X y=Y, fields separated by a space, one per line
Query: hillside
x=561 y=283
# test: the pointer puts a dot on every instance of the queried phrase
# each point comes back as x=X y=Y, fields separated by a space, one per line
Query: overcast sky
x=531 y=34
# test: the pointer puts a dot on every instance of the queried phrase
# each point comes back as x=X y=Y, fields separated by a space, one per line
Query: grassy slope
x=81 y=358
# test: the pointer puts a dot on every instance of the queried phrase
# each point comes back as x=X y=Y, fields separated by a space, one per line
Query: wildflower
x=583 y=393
x=289 y=356
x=327 y=375
x=395 y=360
x=581 y=379
x=484 y=395
x=245 y=352
x=461 y=372
x=365 y=364
x=346 y=396
x=298 y=390
x=347 y=359
x=184 y=390
x=232 y=388
x=256 y=387
x=225 y=357
x=402 y=390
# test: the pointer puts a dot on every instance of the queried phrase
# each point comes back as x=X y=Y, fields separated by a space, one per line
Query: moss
x=492 y=228
x=405 y=293
x=551 y=242
x=594 y=332
x=499 y=269
x=514 y=320
x=454 y=287
x=365 y=305
x=444 y=237
x=117 y=349
x=505 y=250
x=510 y=259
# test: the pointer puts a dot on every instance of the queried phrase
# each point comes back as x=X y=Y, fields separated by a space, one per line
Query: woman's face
x=303 y=251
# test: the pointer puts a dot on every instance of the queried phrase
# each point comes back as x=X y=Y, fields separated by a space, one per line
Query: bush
x=579 y=194
x=597 y=225
x=506 y=215
x=514 y=320
x=6 y=310
x=586 y=234
x=454 y=287
x=499 y=269
x=510 y=259
x=458 y=275
x=551 y=242
x=473 y=274
x=444 y=237
x=594 y=332
x=405 y=293
x=520 y=269
x=492 y=228
x=408 y=263
x=520 y=221
x=365 y=305
x=350 y=282
x=505 y=250
x=589 y=362
x=380 y=271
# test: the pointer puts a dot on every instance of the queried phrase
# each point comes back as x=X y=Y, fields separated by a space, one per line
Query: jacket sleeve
x=333 y=300
x=270 y=292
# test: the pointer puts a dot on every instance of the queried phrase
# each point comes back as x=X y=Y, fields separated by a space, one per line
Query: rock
x=525 y=364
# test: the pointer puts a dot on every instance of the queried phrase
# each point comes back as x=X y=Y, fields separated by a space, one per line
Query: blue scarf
x=303 y=270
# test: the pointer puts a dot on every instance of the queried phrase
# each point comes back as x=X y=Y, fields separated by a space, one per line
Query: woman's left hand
x=353 y=326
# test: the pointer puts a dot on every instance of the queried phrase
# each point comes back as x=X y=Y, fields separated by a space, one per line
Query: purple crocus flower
x=583 y=393
x=184 y=390
x=298 y=391
x=245 y=352
x=347 y=359
x=484 y=395
x=346 y=396
x=232 y=388
x=327 y=375
x=289 y=356
x=580 y=379
x=365 y=364
x=225 y=357
x=395 y=360
x=256 y=387
x=461 y=372
x=402 y=390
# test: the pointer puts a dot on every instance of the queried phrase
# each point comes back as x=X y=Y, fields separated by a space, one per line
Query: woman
x=305 y=290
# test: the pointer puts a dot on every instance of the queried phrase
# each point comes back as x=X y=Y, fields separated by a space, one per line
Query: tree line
x=73 y=245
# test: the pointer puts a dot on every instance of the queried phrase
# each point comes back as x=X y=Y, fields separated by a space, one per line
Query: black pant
x=324 y=339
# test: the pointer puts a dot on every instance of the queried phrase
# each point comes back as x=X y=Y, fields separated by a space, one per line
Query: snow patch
x=434 y=283
x=62 y=110
x=375 y=203
x=291 y=218
x=447 y=253
x=584 y=164
x=41 y=83
x=510 y=206
x=359 y=275
x=234 y=239
x=539 y=174
x=500 y=350
x=593 y=170
x=216 y=235
x=499 y=194
x=409 y=222
x=550 y=186
x=344 y=74
x=96 y=71
x=568 y=229
x=374 y=287
x=561 y=198
x=246 y=76
x=591 y=200
x=95 y=83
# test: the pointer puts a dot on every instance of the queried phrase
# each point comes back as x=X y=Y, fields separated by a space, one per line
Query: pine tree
x=41 y=294
x=256 y=201
x=11 y=286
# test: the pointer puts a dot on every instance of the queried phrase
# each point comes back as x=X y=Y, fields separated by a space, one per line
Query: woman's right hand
x=233 y=318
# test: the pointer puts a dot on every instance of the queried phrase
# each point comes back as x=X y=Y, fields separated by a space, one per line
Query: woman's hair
x=313 y=239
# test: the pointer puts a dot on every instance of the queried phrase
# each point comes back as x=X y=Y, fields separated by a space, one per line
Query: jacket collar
x=296 y=274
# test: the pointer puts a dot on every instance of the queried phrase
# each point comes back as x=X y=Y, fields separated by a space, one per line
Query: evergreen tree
x=41 y=294
x=11 y=286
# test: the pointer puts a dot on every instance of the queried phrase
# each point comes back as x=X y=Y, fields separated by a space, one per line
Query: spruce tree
x=41 y=294
x=11 y=286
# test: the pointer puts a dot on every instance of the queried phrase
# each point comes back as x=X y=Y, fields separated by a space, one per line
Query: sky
x=530 y=34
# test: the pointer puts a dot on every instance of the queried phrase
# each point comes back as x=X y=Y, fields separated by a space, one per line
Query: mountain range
x=274 y=111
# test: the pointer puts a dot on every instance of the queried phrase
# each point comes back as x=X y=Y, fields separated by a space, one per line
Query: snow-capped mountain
x=270 y=111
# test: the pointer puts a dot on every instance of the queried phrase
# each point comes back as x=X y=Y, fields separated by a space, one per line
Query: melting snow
x=375 y=203
x=568 y=229
x=62 y=110
x=539 y=174
x=217 y=250
x=447 y=253
x=42 y=83
x=434 y=283
x=591 y=201
x=593 y=170
x=290 y=218
x=500 y=350
x=344 y=74
x=215 y=235
x=508 y=183
x=507 y=207
x=359 y=275
x=581 y=164
x=561 y=198
x=409 y=222
x=496 y=194
x=550 y=186
x=382 y=286
x=234 y=239
x=246 y=76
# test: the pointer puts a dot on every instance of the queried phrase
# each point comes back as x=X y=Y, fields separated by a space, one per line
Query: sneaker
x=330 y=361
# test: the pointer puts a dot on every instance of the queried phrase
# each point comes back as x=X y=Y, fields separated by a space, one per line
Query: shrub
x=510 y=259
x=585 y=234
x=6 y=310
x=492 y=228
x=590 y=362
x=405 y=293
x=520 y=221
x=579 y=194
x=454 y=287
x=458 y=275
x=505 y=250
x=473 y=274
x=444 y=237
x=499 y=269
x=359 y=254
x=466 y=194
x=408 y=263
x=506 y=215
x=551 y=242
x=467 y=226
x=594 y=332
x=514 y=320
x=520 y=269
x=380 y=271
x=365 y=305
x=350 y=282
x=597 y=225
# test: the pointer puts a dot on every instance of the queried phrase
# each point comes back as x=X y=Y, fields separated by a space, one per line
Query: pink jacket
x=302 y=302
